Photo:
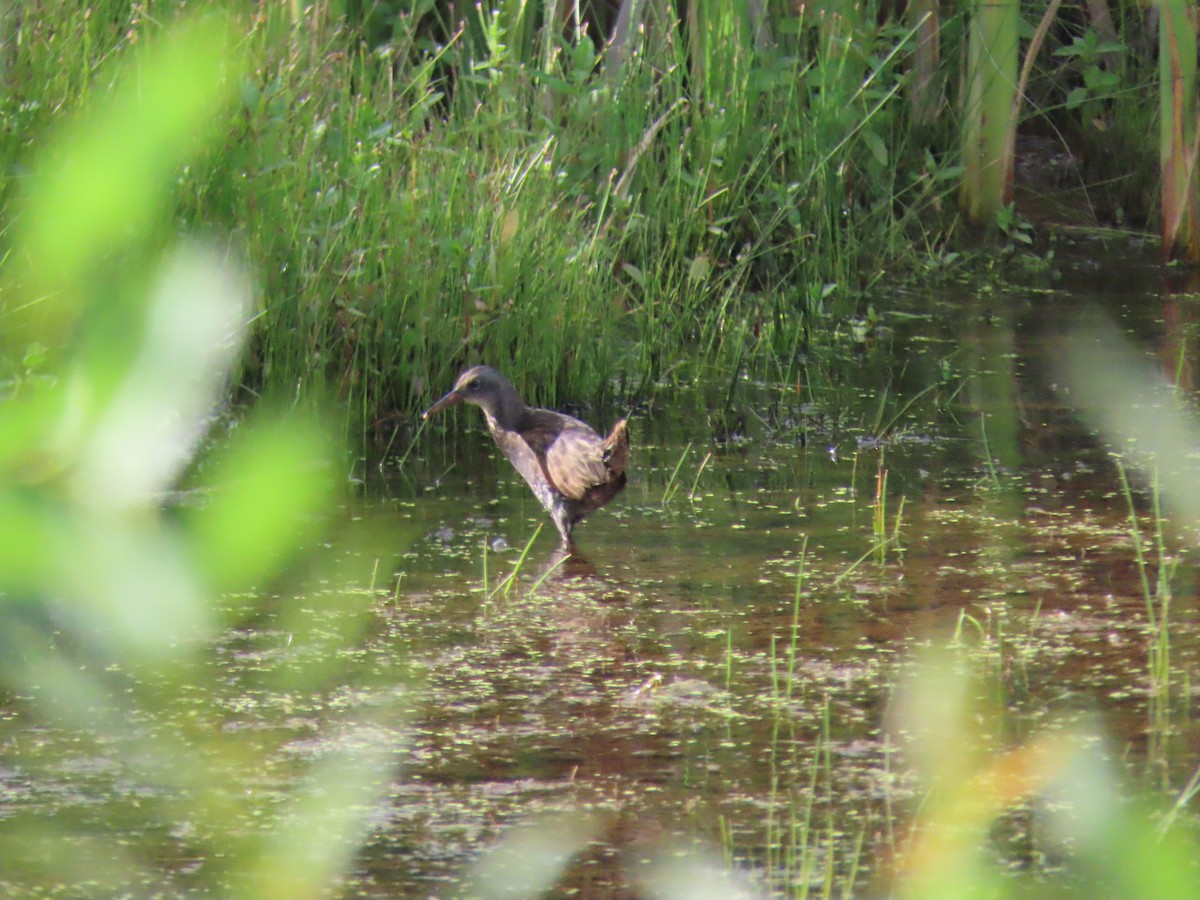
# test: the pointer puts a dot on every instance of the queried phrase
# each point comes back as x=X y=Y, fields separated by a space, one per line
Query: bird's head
x=482 y=386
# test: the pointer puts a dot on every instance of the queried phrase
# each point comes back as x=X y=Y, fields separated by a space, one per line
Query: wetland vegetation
x=900 y=600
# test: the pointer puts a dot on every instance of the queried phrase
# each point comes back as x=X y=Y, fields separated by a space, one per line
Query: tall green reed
x=1155 y=574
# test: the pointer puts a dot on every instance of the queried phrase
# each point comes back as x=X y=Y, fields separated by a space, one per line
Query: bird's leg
x=564 y=531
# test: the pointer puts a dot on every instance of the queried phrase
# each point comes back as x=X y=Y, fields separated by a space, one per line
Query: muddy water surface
x=715 y=662
x=711 y=671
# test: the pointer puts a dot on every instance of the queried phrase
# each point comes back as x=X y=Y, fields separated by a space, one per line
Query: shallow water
x=654 y=677
x=714 y=666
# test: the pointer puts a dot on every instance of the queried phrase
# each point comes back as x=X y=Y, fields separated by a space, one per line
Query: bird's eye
x=472 y=384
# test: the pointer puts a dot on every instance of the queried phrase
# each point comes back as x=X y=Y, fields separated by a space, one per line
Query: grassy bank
x=441 y=198
x=420 y=192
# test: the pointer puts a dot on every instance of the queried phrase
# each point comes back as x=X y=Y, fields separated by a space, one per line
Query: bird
x=571 y=469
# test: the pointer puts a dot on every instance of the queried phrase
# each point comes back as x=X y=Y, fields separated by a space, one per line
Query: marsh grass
x=1154 y=574
x=807 y=855
x=879 y=513
x=993 y=474
x=883 y=537
x=425 y=192
x=672 y=486
x=1182 y=799
x=550 y=570
x=509 y=581
x=807 y=852
x=699 y=471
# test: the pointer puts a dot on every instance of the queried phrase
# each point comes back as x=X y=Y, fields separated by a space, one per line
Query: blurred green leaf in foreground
x=118 y=342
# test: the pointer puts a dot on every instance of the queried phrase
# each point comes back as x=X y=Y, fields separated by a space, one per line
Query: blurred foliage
x=119 y=341
x=1095 y=838
x=1086 y=830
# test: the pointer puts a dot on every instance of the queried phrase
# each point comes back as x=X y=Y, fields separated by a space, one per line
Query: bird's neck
x=507 y=412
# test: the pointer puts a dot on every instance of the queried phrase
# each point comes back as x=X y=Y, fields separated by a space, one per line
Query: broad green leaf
x=104 y=180
x=149 y=426
x=265 y=493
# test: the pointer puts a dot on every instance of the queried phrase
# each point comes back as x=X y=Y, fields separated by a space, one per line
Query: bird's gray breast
x=523 y=459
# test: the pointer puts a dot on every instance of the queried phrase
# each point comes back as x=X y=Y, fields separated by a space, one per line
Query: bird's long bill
x=449 y=400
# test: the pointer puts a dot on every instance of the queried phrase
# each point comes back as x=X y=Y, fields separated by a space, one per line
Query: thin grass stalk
x=623 y=183
x=889 y=816
x=725 y=829
x=773 y=666
x=794 y=638
x=880 y=408
x=771 y=829
x=855 y=861
x=1160 y=659
x=696 y=42
x=722 y=46
x=801 y=855
x=550 y=570
x=1157 y=616
x=487 y=594
x=760 y=24
x=993 y=475
x=509 y=580
x=1182 y=800
x=851 y=98
x=620 y=46
x=991 y=83
x=672 y=485
x=853 y=567
x=956 y=636
x=879 y=517
x=699 y=472
x=825 y=748
x=840 y=25
x=728 y=658
x=1139 y=554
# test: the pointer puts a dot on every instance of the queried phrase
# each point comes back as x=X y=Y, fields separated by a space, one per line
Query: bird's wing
x=573 y=459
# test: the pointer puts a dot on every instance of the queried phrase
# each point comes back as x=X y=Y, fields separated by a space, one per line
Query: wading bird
x=571 y=469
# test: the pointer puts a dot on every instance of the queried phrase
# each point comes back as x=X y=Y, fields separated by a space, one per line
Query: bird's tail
x=615 y=452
